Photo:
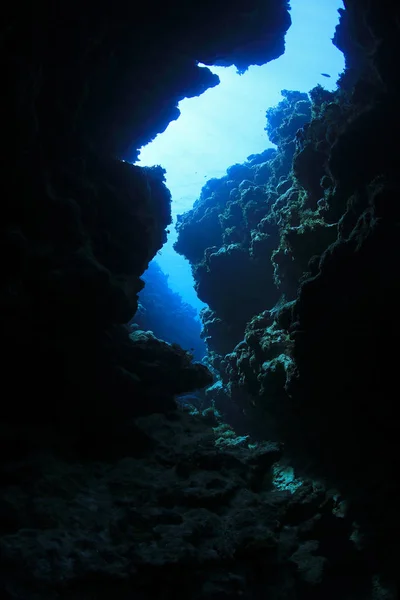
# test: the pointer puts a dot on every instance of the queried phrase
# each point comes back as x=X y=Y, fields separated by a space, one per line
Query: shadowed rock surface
x=82 y=90
x=196 y=515
x=306 y=349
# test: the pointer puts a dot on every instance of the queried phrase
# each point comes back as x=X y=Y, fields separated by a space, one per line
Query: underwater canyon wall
x=305 y=240
x=83 y=90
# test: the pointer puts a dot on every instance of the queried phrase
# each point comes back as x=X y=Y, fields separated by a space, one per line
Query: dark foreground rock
x=195 y=516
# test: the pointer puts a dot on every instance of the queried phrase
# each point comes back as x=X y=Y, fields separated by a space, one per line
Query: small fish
x=325 y=74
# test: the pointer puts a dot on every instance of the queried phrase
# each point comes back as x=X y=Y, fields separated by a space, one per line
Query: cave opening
x=224 y=126
x=277 y=480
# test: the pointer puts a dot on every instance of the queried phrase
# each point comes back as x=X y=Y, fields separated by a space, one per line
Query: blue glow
x=226 y=124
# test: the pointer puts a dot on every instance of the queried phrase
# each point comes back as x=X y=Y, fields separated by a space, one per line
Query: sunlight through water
x=226 y=124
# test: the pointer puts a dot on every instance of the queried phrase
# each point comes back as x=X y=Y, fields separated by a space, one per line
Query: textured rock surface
x=317 y=369
x=196 y=515
x=82 y=90
x=241 y=234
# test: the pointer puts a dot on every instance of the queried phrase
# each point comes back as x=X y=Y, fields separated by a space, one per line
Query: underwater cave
x=200 y=265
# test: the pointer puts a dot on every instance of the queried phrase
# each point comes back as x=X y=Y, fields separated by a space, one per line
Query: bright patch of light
x=284 y=479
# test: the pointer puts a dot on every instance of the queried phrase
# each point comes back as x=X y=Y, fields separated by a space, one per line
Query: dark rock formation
x=164 y=312
x=319 y=371
x=197 y=517
x=85 y=87
x=112 y=77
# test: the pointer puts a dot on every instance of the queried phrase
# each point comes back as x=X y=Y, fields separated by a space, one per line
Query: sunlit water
x=226 y=124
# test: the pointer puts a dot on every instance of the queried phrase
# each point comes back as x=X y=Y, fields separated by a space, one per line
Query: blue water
x=226 y=124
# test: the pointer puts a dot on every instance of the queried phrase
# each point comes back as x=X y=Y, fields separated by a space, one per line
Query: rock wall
x=306 y=347
x=233 y=229
x=83 y=88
